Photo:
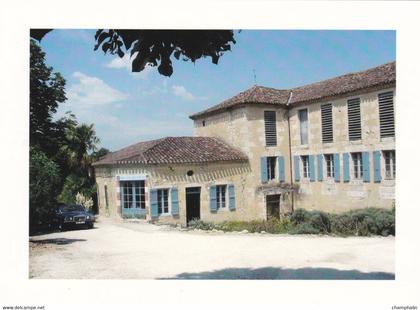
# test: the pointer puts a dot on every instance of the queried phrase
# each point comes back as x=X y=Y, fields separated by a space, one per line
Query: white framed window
x=271 y=168
x=329 y=165
x=389 y=159
x=163 y=201
x=305 y=166
x=303 y=120
x=357 y=165
x=133 y=194
x=221 y=196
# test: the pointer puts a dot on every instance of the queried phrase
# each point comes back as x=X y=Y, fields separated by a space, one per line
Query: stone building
x=328 y=146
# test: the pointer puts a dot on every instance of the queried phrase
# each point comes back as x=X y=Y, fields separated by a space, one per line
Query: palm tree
x=81 y=141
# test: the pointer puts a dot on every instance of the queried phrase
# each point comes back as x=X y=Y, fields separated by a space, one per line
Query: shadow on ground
x=272 y=273
x=49 y=231
x=58 y=241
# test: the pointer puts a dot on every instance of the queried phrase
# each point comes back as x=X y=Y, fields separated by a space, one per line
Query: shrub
x=365 y=222
x=85 y=201
x=311 y=221
x=299 y=216
x=44 y=180
x=304 y=228
x=199 y=224
x=320 y=221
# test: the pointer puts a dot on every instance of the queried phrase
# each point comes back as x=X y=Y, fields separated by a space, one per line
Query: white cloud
x=91 y=90
x=118 y=63
x=125 y=63
x=182 y=92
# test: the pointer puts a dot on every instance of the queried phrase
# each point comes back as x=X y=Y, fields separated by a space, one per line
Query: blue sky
x=130 y=107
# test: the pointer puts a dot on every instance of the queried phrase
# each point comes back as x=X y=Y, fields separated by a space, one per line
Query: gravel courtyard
x=137 y=250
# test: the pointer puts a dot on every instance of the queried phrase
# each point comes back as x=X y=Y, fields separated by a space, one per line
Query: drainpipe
x=290 y=148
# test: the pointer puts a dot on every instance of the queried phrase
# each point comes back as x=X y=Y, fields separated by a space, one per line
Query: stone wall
x=329 y=195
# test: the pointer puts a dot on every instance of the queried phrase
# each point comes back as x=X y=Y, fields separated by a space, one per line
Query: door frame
x=198 y=191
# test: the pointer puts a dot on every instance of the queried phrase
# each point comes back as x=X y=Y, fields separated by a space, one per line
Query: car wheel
x=61 y=227
x=90 y=225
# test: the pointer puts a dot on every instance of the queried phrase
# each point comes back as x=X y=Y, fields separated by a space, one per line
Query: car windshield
x=72 y=208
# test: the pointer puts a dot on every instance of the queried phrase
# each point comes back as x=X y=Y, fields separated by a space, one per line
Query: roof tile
x=378 y=76
x=174 y=150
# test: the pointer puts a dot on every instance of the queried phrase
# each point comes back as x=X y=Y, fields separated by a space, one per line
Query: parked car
x=72 y=216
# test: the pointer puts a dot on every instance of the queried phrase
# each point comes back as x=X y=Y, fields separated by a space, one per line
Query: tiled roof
x=378 y=76
x=344 y=84
x=174 y=150
x=256 y=94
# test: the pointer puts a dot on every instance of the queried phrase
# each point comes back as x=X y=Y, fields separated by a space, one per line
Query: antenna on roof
x=255 y=77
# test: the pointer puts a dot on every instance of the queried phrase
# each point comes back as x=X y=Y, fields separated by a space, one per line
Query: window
x=162 y=201
x=270 y=128
x=106 y=196
x=271 y=168
x=357 y=165
x=386 y=114
x=389 y=157
x=329 y=164
x=354 y=119
x=305 y=166
x=133 y=194
x=303 y=119
x=204 y=123
x=221 y=196
x=327 y=123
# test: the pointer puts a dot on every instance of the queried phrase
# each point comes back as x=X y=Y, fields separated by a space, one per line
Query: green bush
x=274 y=226
x=320 y=221
x=44 y=180
x=299 y=216
x=364 y=222
x=304 y=228
x=199 y=224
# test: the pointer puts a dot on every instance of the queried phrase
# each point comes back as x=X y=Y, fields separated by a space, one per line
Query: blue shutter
x=264 y=176
x=319 y=164
x=346 y=173
x=297 y=168
x=175 y=202
x=366 y=167
x=280 y=162
x=231 y=189
x=153 y=203
x=213 y=199
x=311 y=168
x=336 y=167
x=377 y=166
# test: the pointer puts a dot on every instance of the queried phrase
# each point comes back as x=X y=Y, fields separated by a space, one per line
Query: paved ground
x=117 y=250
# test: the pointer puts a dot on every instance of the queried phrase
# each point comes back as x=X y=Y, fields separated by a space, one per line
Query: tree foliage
x=155 y=47
x=61 y=150
x=46 y=93
x=43 y=186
